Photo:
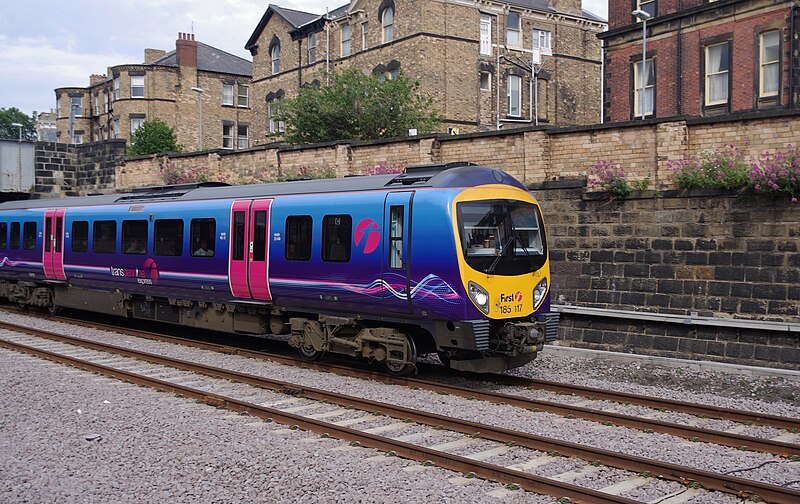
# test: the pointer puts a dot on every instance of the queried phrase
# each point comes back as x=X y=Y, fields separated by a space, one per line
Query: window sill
x=226 y=105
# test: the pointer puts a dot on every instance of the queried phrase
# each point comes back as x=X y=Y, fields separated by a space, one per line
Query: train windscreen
x=502 y=237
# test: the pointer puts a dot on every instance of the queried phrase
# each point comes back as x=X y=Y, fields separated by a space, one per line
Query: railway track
x=732 y=438
x=467 y=464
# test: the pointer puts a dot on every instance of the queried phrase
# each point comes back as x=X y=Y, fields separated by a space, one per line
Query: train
x=447 y=259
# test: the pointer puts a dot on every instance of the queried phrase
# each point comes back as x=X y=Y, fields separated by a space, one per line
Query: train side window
x=14 y=235
x=204 y=234
x=59 y=234
x=396 y=237
x=168 y=237
x=134 y=237
x=80 y=236
x=104 y=239
x=48 y=230
x=298 y=238
x=3 y=235
x=336 y=233
x=29 y=236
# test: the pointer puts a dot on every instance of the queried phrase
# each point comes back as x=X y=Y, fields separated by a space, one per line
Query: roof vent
x=423 y=173
x=166 y=191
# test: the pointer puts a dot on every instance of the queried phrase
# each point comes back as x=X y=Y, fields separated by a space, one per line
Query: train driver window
x=298 y=238
x=3 y=235
x=14 y=235
x=80 y=236
x=336 y=233
x=134 y=237
x=104 y=239
x=204 y=234
x=168 y=237
x=29 y=236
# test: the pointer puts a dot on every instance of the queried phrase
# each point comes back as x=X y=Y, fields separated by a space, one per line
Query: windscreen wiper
x=490 y=269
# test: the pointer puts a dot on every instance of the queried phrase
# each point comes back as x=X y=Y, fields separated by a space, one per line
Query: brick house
x=704 y=58
x=168 y=86
x=473 y=58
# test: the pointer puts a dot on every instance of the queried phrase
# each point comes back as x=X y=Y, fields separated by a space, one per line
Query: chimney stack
x=186 y=50
x=150 y=55
x=96 y=79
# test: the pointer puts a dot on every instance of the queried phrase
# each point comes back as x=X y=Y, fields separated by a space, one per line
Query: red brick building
x=703 y=58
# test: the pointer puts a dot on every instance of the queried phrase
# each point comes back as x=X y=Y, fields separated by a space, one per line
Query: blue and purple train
x=450 y=259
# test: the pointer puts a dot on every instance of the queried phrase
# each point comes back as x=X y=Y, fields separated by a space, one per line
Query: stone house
x=703 y=58
x=473 y=58
x=178 y=87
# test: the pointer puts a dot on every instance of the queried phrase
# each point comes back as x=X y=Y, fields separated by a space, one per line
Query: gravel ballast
x=776 y=396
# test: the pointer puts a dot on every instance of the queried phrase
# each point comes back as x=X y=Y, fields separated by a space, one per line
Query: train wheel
x=52 y=309
x=444 y=358
x=403 y=369
x=309 y=353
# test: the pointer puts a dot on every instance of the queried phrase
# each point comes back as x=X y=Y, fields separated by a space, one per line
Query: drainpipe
x=793 y=46
x=497 y=68
x=327 y=47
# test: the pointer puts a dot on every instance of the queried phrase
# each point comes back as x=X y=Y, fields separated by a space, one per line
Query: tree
x=153 y=137
x=14 y=115
x=358 y=107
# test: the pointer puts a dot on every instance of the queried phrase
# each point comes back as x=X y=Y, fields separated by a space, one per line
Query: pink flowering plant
x=778 y=173
x=173 y=174
x=721 y=167
x=385 y=169
x=610 y=177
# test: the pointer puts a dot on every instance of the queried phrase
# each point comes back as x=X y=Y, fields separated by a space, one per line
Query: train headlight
x=479 y=296
x=538 y=293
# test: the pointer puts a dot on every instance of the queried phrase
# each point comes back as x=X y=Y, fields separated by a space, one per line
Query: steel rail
x=441 y=459
x=692 y=433
x=685 y=475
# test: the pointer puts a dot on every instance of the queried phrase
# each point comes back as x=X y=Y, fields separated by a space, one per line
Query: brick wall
x=710 y=255
x=74 y=170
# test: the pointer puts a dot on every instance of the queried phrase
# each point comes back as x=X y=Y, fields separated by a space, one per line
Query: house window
x=96 y=104
x=116 y=128
x=136 y=123
x=649 y=6
x=227 y=136
x=769 y=63
x=512 y=30
x=227 y=94
x=644 y=89
x=346 y=40
x=387 y=20
x=298 y=238
x=541 y=41
x=204 y=236
x=275 y=53
x=168 y=237
x=242 y=133
x=29 y=236
x=486 y=81
x=76 y=104
x=105 y=102
x=80 y=236
x=134 y=237
x=116 y=87
x=336 y=234
x=244 y=96
x=312 y=48
x=717 y=65
x=365 y=35
x=514 y=95
x=104 y=237
x=276 y=124
x=137 y=86
x=486 y=34
x=77 y=137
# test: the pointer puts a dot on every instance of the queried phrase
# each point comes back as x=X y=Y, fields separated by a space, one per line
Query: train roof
x=447 y=175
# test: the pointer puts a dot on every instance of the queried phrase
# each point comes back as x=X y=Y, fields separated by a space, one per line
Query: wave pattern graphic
x=6 y=262
x=430 y=287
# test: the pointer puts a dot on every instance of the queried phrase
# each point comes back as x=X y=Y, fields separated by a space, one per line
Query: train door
x=248 y=267
x=397 y=238
x=53 y=240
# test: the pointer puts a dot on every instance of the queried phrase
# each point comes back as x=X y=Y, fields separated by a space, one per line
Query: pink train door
x=249 y=253
x=53 y=238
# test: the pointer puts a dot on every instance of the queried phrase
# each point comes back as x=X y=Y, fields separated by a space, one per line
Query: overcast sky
x=46 y=44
